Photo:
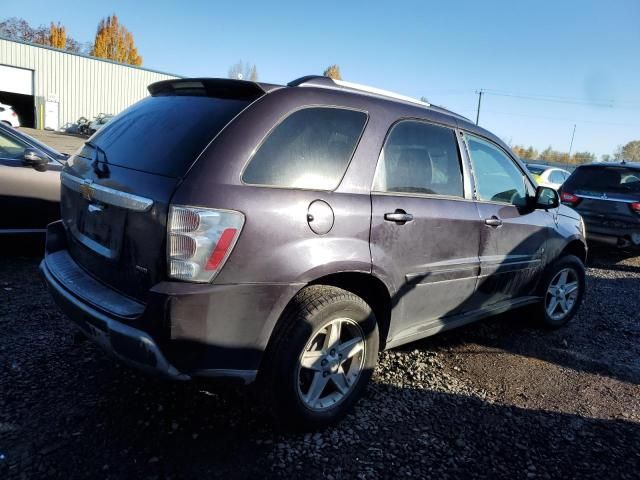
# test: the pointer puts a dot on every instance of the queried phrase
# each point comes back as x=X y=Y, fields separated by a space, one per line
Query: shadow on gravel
x=611 y=259
x=602 y=339
x=100 y=421
x=69 y=411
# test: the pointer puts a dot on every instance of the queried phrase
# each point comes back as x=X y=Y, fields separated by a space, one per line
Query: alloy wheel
x=330 y=364
x=562 y=294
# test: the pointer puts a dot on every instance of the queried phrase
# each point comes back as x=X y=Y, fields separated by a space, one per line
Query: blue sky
x=584 y=53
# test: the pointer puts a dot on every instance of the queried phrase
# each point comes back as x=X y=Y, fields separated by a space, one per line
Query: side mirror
x=546 y=198
x=36 y=159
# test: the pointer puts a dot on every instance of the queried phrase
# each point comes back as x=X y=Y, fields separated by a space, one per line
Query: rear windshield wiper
x=98 y=149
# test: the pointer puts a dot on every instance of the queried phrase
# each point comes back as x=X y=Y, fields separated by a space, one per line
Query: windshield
x=163 y=135
x=597 y=180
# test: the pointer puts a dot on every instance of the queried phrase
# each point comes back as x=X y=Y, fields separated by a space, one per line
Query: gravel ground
x=63 y=142
x=498 y=399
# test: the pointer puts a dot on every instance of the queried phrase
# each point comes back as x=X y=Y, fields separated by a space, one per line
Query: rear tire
x=321 y=357
x=562 y=289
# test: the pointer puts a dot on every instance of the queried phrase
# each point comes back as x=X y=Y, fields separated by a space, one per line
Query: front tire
x=321 y=358
x=562 y=289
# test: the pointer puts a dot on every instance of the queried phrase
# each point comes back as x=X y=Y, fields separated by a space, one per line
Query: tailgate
x=117 y=188
x=116 y=226
x=608 y=212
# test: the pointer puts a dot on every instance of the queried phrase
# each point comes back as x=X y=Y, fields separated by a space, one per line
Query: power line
x=610 y=103
x=560 y=119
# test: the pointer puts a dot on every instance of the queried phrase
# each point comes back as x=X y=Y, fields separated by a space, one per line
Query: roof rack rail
x=326 y=82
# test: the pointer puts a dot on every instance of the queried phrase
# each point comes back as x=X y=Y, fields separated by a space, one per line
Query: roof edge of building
x=89 y=57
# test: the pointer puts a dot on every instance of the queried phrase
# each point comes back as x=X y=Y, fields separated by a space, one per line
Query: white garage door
x=16 y=80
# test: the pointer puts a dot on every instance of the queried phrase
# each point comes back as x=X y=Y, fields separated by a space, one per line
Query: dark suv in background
x=287 y=234
x=607 y=195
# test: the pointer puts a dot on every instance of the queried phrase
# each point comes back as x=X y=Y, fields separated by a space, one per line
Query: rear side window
x=309 y=149
x=420 y=158
x=598 y=180
x=163 y=135
x=556 y=176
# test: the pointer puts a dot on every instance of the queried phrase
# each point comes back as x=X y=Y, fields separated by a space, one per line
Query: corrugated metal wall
x=83 y=85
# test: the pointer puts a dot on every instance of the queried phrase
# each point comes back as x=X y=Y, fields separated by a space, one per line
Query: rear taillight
x=14 y=114
x=200 y=241
x=569 y=199
x=635 y=206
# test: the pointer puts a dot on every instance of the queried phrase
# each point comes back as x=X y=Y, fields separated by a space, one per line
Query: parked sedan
x=607 y=195
x=8 y=116
x=29 y=183
x=548 y=176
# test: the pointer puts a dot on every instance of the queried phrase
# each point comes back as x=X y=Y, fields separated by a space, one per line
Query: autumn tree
x=529 y=153
x=519 y=151
x=333 y=71
x=57 y=36
x=243 y=71
x=630 y=152
x=115 y=42
x=582 y=157
x=19 y=29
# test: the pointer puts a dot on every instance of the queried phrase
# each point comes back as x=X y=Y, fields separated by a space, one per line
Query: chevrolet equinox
x=287 y=234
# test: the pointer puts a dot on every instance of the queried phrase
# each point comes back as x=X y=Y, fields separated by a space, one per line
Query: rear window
x=163 y=135
x=310 y=149
x=536 y=170
x=600 y=180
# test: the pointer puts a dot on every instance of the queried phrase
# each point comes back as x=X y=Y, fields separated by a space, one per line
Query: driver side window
x=497 y=178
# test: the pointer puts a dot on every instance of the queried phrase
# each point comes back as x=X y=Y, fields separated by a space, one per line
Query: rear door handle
x=399 y=216
x=493 y=221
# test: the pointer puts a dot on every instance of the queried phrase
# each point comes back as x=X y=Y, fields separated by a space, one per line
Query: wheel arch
x=368 y=287
x=577 y=248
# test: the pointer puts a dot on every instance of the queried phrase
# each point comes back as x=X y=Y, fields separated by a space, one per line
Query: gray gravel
x=498 y=399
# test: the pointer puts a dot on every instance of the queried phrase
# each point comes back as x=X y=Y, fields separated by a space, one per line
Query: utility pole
x=571 y=144
x=479 y=92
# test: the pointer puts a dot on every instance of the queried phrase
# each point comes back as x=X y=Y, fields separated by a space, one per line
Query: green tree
x=333 y=71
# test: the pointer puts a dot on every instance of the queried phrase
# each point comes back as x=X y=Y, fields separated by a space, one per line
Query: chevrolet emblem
x=86 y=190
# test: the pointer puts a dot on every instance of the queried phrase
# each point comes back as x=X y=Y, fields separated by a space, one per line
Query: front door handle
x=493 y=221
x=399 y=216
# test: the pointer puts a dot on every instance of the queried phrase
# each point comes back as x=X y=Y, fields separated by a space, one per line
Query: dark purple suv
x=287 y=234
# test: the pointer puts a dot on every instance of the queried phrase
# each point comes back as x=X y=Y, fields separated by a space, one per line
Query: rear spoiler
x=211 y=87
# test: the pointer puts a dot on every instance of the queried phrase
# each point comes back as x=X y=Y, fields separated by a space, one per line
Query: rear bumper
x=183 y=331
x=130 y=345
x=622 y=238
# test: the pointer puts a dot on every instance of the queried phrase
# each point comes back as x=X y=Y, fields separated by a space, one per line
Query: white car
x=548 y=176
x=8 y=116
